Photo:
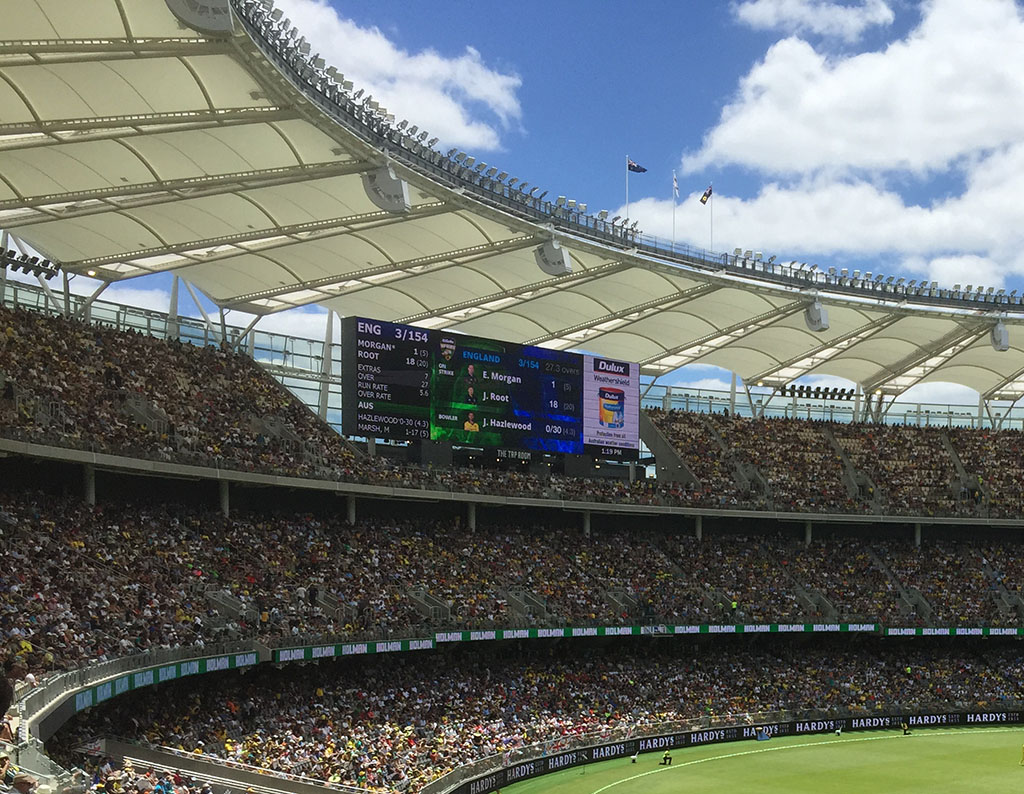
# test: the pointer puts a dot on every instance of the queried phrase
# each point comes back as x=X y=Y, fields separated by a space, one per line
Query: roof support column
x=223 y=330
x=173 y=331
x=85 y=310
x=210 y=329
x=3 y=271
x=981 y=412
x=856 y=404
x=247 y=336
x=326 y=363
x=732 y=396
x=59 y=305
x=750 y=402
x=67 y=294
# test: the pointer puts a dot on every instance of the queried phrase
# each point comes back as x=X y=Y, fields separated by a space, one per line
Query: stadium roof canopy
x=202 y=137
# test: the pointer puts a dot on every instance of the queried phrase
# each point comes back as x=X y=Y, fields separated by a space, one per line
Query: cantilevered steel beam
x=224 y=183
x=698 y=348
x=664 y=302
x=843 y=342
x=523 y=294
x=455 y=258
x=278 y=237
x=946 y=347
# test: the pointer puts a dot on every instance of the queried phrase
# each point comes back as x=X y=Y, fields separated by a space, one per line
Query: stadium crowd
x=391 y=723
x=70 y=383
x=90 y=583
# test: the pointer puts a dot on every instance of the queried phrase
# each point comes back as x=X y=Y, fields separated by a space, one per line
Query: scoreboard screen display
x=402 y=382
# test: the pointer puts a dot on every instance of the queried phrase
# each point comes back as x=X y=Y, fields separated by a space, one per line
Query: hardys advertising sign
x=556 y=759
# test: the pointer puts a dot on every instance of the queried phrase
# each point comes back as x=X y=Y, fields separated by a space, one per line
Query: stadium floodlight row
x=313 y=194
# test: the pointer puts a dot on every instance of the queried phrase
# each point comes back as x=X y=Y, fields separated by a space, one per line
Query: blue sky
x=881 y=134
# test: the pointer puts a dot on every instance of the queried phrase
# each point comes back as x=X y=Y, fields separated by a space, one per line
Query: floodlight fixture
x=432 y=142
x=503 y=176
x=469 y=162
x=571 y=203
x=602 y=214
x=423 y=136
x=413 y=129
x=332 y=71
x=582 y=208
x=541 y=196
x=451 y=152
x=560 y=201
x=405 y=123
x=616 y=219
x=460 y=157
x=491 y=172
x=276 y=14
x=480 y=167
x=358 y=93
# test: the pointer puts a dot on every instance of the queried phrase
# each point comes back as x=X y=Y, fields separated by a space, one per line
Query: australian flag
x=636 y=168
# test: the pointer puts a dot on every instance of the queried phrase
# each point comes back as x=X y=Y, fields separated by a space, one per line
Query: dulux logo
x=614 y=367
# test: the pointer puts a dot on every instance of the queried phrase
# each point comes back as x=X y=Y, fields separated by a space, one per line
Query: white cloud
x=952 y=89
x=965 y=270
x=815 y=16
x=306 y=323
x=940 y=393
x=460 y=99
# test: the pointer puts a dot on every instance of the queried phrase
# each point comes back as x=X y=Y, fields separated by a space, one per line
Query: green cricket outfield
x=983 y=760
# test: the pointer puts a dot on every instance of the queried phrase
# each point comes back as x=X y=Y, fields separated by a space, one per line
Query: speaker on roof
x=1000 y=337
x=386 y=190
x=816 y=317
x=553 y=259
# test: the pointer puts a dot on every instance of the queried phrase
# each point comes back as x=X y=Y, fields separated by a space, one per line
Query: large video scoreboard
x=402 y=382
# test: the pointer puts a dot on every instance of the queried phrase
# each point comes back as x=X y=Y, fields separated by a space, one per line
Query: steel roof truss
x=446 y=259
x=813 y=358
x=641 y=309
x=225 y=183
x=709 y=343
x=538 y=289
x=943 y=349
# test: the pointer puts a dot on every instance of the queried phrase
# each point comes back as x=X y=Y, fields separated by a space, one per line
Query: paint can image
x=612 y=407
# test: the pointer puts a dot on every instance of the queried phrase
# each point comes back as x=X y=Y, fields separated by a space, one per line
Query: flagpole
x=711 y=215
x=673 y=210
x=627 y=188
